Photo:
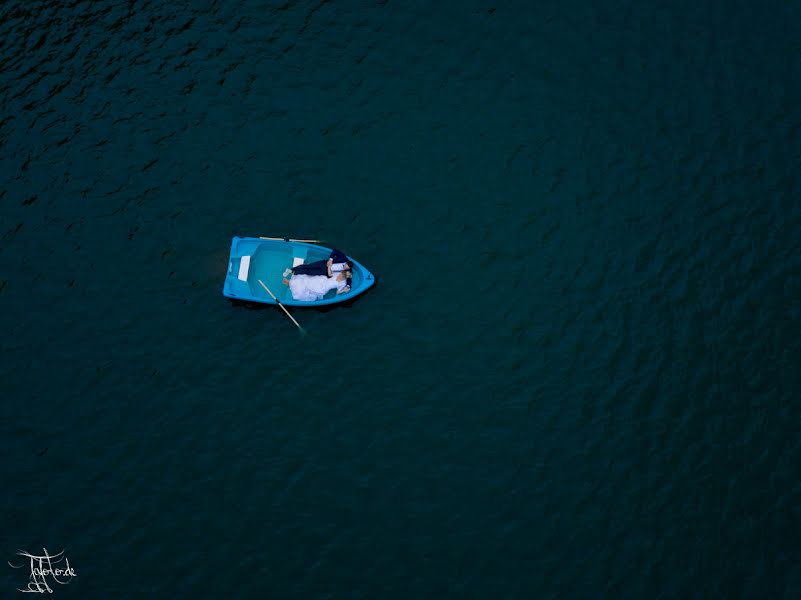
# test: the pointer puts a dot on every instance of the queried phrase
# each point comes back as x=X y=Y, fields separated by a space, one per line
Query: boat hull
x=254 y=259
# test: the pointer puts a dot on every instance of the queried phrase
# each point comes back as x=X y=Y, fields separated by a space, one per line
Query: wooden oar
x=282 y=306
x=261 y=237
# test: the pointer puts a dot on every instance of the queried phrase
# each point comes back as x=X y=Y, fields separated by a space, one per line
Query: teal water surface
x=577 y=376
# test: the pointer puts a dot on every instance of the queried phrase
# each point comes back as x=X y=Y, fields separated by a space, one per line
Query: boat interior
x=268 y=263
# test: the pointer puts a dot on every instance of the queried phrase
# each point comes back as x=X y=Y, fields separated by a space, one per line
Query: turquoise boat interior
x=254 y=259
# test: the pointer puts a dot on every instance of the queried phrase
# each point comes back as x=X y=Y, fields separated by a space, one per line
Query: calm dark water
x=578 y=375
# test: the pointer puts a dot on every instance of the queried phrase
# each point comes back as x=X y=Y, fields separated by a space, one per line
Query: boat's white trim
x=244 y=266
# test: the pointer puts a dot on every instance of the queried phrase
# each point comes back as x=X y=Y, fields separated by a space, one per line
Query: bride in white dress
x=308 y=288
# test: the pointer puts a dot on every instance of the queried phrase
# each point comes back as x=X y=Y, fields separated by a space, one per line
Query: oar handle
x=281 y=305
x=261 y=237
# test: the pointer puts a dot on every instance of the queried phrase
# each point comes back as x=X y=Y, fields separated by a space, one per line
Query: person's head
x=349 y=263
x=343 y=275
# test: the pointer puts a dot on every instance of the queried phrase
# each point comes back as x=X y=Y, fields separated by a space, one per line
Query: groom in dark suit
x=336 y=262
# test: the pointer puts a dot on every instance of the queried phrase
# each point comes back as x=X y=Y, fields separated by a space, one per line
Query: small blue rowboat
x=254 y=259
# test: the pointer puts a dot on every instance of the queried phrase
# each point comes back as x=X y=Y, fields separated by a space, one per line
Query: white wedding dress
x=308 y=288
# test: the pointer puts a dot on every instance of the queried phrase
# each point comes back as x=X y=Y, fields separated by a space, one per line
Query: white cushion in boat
x=297 y=261
x=244 y=265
